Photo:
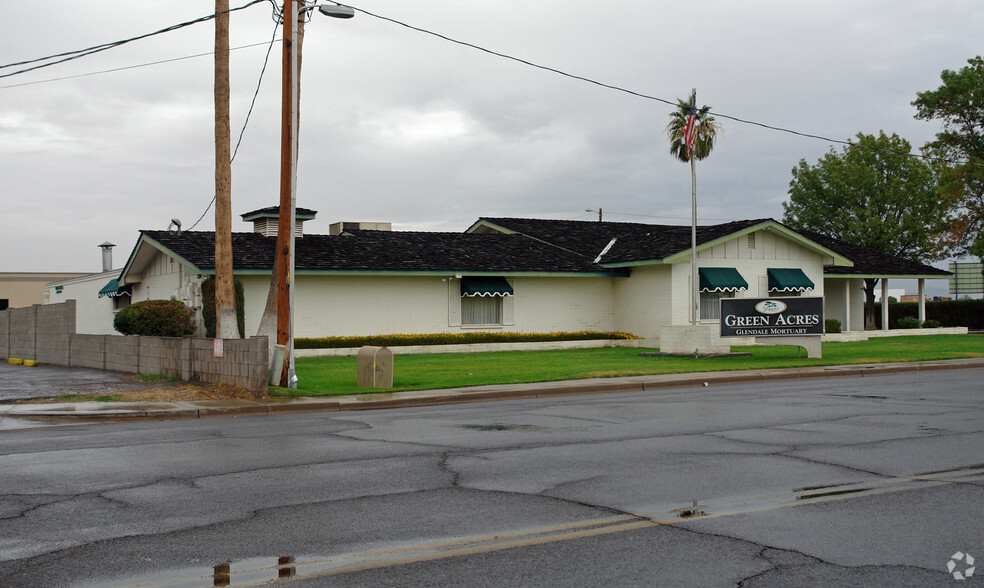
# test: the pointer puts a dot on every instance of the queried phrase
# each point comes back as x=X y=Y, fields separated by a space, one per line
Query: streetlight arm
x=333 y=10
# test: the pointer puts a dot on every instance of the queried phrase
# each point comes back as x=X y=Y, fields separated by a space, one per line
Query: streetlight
x=288 y=185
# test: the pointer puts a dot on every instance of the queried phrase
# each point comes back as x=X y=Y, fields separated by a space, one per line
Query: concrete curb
x=87 y=411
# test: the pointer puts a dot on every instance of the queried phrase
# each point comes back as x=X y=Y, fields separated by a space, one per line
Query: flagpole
x=694 y=285
x=694 y=290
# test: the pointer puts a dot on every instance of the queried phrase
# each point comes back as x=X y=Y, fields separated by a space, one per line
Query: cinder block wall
x=244 y=362
x=23 y=332
x=4 y=333
x=88 y=351
x=47 y=333
x=56 y=324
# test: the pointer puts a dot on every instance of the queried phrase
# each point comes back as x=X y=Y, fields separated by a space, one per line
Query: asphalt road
x=875 y=481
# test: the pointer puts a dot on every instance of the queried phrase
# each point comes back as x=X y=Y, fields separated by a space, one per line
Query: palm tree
x=706 y=129
x=692 y=133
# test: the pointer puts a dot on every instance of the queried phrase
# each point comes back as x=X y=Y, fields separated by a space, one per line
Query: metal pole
x=694 y=290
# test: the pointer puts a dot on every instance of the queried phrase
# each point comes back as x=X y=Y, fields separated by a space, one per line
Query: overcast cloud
x=404 y=127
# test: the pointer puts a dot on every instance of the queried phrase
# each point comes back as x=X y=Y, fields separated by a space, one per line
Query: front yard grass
x=329 y=376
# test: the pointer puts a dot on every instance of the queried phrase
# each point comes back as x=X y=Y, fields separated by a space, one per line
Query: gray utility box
x=375 y=365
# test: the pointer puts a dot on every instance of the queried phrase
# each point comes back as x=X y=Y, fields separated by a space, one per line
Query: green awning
x=113 y=289
x=485 y=286
x=721 y=279
x=790 y=279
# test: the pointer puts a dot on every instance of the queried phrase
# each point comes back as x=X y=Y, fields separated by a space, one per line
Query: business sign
x=771 y=317
x=967 y=278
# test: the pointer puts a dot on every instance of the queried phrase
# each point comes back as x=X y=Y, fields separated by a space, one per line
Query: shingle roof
x=385 y=251
x=635 y=241
x=871 y=262
x=548 y=246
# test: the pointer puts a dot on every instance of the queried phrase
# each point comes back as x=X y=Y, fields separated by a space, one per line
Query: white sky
x=403 y=127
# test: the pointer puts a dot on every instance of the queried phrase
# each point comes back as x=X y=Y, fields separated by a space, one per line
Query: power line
x=124 y=68
x=70 y=55
x=278 y=16
x=649 y=96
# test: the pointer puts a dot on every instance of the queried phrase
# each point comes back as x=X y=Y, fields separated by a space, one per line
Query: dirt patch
x=152 y=391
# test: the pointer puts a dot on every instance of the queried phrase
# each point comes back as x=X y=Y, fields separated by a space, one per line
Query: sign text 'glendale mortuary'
x=771 y=317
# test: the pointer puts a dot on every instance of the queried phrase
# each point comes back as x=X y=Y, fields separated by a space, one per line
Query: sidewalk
x=85 y=411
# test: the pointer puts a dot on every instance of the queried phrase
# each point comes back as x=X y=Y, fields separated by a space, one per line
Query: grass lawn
x=327 y=376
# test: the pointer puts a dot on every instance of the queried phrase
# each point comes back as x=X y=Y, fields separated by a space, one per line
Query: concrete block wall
x=55 y=326
x=123 y=354
x=23 y=332
x=4 y=333
x=244 y=362
x=47 y=333
x=88 y=351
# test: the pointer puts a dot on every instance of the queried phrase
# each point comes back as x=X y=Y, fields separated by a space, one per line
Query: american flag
x=690 y=129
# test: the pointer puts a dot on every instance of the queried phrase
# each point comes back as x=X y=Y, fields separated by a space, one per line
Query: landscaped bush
x=909 y=322
x=208 y=307
x=931 y=324
x=453 y=338
x=156 y=318
x=831 y=326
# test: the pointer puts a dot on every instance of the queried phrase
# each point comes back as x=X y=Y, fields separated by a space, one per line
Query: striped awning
x=721 y=279
x=790 y=279
x=113 y=289
x=485 y=286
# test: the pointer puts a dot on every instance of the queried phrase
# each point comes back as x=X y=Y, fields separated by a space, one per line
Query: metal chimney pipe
x=107 y=256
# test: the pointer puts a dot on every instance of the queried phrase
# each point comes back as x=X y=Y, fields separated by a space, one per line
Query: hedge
x=156 y=318
x=949 y=313
x=454 y=339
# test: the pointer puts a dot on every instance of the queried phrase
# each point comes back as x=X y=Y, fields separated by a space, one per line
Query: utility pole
x=225 y=298
x=285 y=224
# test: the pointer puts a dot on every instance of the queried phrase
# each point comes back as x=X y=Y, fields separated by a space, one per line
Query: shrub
x=931 y=324
x=831 y=326
x=909 y=322
x=156 y=318
x=208 y=307
x=453 y=338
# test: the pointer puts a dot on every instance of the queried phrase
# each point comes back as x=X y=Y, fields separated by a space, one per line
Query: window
x=481 y=310
x=717 y=283
x=121 y=301
x=483 y=300
x=4 y=303
x=710 y=304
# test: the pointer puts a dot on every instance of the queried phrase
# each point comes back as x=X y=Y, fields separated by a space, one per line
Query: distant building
x=20 y=289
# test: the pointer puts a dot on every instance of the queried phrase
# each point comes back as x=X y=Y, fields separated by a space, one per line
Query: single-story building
x=523 y=275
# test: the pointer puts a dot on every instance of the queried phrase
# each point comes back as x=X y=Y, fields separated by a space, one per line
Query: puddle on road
x=505 y=427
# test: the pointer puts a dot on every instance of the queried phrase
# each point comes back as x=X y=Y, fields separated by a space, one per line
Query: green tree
x=959 y=105
x=873 y=194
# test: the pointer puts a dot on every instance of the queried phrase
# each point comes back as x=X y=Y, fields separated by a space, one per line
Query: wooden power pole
x=225 y=298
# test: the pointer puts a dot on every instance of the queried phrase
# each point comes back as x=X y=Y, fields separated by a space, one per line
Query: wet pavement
x=874 y=480
x=18 y=382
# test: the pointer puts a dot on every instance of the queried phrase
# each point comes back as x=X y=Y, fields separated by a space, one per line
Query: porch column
x=847 y=305
x=884 y=303
x=922 y=301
